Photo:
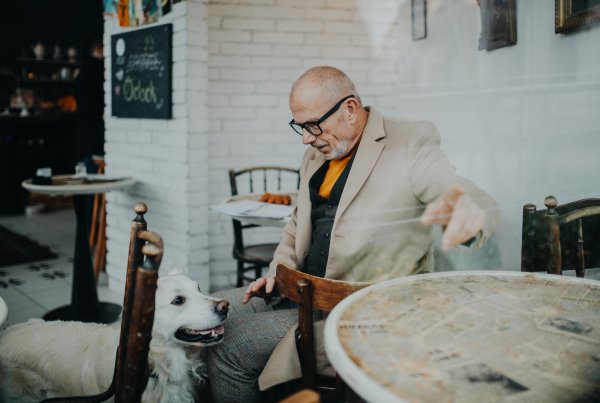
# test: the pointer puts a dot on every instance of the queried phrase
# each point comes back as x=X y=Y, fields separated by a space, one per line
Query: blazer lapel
x=366 y=157
x=304 y=224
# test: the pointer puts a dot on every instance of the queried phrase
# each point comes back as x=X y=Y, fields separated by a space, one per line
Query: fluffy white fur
x=39 y=360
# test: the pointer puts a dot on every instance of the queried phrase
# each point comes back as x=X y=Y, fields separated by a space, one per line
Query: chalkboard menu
x=141 y=73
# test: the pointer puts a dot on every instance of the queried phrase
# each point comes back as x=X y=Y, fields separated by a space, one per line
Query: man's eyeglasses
x=314 y=128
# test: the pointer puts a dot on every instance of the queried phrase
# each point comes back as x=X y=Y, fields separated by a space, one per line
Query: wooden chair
x=556 y=239
x=261 y=255
x=131 y=368
x=318 y=293
x=98 y=228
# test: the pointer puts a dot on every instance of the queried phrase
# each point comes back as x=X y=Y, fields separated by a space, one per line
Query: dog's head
x=186 y=316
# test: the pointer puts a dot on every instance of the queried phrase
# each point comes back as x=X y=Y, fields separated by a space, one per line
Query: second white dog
x=39 y=360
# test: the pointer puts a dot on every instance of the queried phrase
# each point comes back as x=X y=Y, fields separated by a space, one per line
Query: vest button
x=326 y=235
x=329 y=207
x=322 y=253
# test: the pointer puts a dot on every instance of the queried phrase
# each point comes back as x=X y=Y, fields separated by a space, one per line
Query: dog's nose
x=222 y=307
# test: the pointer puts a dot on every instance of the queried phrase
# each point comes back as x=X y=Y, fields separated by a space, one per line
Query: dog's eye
x=178 y=301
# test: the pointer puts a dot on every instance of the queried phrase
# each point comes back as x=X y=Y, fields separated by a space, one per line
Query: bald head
x=332 y=130
x=324 y=83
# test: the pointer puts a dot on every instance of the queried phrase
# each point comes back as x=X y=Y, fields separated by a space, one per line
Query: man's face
x=306 y=106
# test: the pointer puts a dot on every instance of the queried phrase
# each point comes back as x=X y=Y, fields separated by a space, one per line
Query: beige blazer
x=398 y=169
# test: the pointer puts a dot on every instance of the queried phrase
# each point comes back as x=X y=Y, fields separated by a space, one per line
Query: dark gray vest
x=322 y=216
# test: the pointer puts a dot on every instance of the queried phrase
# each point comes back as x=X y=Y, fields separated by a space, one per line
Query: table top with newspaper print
x=470 y=337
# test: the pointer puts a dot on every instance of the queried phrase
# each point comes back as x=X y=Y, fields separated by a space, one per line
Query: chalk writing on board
x=141 y=73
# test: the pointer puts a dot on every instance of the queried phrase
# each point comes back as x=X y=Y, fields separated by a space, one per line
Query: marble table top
x=60 y=188
x=480 y=336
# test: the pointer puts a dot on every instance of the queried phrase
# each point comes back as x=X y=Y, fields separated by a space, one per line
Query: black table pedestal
x=85 y=306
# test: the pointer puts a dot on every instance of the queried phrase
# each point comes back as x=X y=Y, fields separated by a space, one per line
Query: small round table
x=265 y=222
x=85 y=306
x=479 y=336
x=3 y=314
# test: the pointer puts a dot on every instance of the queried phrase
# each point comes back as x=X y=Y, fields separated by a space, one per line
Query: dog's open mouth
x=207 y=336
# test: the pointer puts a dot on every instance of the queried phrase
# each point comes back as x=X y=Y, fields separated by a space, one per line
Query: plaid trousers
x=252 y=331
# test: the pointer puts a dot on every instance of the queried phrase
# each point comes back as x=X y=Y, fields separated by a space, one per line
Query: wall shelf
x=48 y=61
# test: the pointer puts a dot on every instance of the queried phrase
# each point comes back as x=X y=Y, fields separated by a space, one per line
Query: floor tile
x=25 y=315
x=19 y=302
x=32 y=289
x=107 y=295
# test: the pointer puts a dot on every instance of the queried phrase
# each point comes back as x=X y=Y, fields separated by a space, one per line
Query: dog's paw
x=176 y=269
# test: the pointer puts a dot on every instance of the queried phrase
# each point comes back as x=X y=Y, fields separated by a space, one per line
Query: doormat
x=17 y=249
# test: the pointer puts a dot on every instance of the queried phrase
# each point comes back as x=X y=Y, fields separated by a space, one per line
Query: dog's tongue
x=219 y=330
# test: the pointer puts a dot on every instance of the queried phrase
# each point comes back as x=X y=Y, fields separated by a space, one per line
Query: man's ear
x=176 y=269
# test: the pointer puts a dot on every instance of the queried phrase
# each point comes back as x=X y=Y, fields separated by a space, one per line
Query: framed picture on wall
x=574 y=14
x=498 y=24
x=419 y=19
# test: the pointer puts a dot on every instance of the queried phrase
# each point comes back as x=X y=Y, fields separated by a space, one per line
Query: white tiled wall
x=167 y=157
x=522 y=122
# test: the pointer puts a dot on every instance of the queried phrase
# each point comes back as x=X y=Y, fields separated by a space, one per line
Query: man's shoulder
x=404 y=130
x=393 y=125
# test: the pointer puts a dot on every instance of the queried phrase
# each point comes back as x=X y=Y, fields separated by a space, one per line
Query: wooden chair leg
x=305 y=325
x=94 y=228
x=240 y=274
x=258 y=271
x=339 y=388
x=101 y=236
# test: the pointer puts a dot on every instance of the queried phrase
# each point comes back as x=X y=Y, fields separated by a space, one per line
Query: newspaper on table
x=479 y=338
x=251 y=208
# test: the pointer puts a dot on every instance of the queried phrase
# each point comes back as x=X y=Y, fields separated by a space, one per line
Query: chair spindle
x=528 y=238
x=580 y=269
x=554 y=256
x=305 y=325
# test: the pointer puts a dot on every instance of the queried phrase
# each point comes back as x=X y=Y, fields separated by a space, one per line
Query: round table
x=265 y=222
x=3 y=314
x=85 y=306
x=478 y=336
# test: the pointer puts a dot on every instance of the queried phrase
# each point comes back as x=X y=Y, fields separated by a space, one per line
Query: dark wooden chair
x=253 y=257
x=318 y=293
x=561 y=238
x=131 y=369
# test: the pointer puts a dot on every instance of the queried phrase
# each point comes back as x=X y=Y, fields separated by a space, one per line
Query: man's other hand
x=262 y=287
x=462 y=216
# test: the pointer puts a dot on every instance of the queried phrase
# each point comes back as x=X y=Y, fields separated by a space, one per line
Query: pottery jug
x=38 y=50
x=72 y=53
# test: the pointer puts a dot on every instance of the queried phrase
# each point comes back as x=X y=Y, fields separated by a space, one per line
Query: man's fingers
x=249 y=289
x=270 y=285
x=453 y=194
x=453 y=233
x=258 y=284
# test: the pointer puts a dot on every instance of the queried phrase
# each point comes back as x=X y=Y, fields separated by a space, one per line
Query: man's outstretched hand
x=262 y=287
x=463 y=217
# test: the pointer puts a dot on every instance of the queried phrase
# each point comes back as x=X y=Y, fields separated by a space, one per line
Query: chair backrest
x=311 y=292
x=561 y=238
x=233 y=175
x=131 y=368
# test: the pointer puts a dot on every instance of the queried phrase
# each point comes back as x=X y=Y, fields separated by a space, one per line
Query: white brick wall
x=167 y=157
x=235 y=62
x=258 y=48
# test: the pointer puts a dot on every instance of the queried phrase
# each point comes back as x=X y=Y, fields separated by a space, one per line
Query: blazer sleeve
x=286 y=250
x=431 y=174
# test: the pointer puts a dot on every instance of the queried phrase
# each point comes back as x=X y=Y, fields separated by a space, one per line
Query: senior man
x=371 y=186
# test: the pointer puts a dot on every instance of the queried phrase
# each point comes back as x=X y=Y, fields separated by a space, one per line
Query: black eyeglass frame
x=318 y=122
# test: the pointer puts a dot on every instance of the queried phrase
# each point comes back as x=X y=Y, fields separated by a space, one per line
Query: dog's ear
x=176 y=269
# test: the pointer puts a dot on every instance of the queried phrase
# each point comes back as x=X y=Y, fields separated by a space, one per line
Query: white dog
x=39 y=360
